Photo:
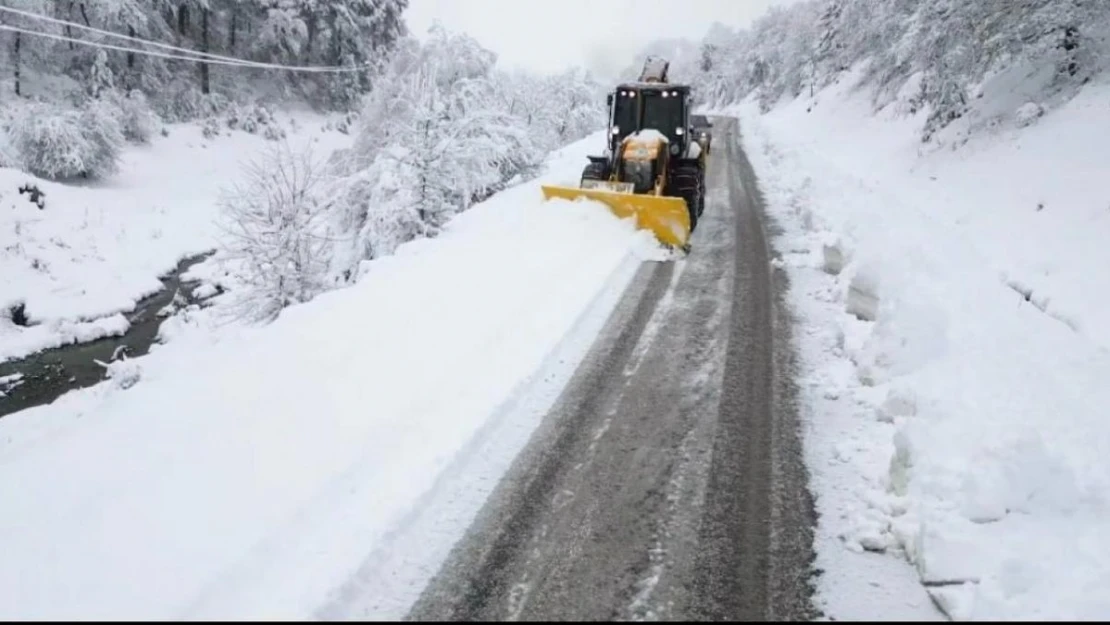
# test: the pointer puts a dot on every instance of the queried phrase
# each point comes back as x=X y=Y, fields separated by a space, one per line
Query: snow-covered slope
x=93 y=251
x=967 y=423
x=250 y=473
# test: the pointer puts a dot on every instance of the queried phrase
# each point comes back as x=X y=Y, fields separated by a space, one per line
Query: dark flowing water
x=43 y=377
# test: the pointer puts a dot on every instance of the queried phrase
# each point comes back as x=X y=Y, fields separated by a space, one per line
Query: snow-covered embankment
x=249 y=473
x=955 y=346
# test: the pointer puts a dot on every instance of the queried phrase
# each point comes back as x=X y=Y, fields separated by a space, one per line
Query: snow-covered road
x=667 y=482
x=250 y=473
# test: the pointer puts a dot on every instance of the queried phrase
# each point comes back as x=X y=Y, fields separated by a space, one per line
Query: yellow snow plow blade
x=667 y=217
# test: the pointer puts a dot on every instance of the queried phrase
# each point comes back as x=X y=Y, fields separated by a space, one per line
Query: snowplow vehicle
x=653 y=169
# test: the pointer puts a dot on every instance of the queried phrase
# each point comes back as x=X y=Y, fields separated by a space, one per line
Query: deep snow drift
x=255 y=472
x=93 y=251
x=955 y=345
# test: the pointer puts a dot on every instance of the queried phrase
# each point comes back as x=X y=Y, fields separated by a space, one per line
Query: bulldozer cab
x=659 y=106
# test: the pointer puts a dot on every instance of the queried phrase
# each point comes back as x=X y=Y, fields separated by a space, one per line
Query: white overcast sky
x=550 y=35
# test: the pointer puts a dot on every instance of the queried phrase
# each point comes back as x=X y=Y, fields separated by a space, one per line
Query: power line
x=261 y=65
x=177 y=57
x=214 y=59
x=108 y=46
x=53 y=20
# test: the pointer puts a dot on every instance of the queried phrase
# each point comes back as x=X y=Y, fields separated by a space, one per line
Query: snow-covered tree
x=100 y=79
x=444 y=129
x=829 y=44
x=349 y=33
x=63 y=143
x=282 y=36
x=555 y=109
x=24 y=51
x=948 y=47
x=439 y=126
x=577 y=105
x=352 y=33
x=277 y=222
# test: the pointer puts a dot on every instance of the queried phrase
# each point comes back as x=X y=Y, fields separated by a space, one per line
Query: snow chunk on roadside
x=863 y=294
x=1027 y=114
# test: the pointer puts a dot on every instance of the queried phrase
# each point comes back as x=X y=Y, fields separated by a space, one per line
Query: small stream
x=43 y=377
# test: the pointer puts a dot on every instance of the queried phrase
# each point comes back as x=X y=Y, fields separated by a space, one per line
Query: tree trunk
x=85 y=15
x=1070 y=45
x=422 y=211
x=16 y=61
x=336 y=41
x=205 y=83
x=69 y=30
x=234 y=30
x=182 y=19
x=312 y=28
x=130 y=55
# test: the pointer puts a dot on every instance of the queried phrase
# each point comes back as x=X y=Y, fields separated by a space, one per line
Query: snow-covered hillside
x=93 y=250
x=252 y=470
x=956 y=350
x=443 y=129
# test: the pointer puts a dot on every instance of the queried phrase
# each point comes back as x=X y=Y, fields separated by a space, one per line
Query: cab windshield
x=663 y=111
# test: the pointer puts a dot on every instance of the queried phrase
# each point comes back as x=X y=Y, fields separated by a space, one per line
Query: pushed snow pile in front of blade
x=666 y=217
x=251 y=475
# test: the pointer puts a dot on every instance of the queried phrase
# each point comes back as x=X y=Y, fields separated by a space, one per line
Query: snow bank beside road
x=248 y=475
x=967 y=424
